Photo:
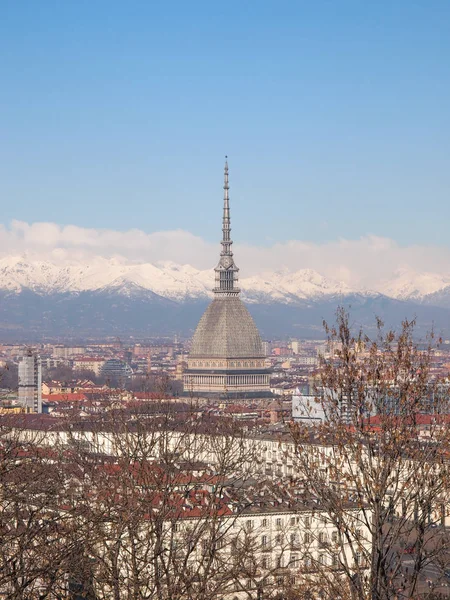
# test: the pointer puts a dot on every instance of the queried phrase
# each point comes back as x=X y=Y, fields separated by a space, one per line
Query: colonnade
x=226 y=381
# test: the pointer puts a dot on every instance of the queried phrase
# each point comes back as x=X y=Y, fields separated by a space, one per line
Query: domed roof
x=226 y=330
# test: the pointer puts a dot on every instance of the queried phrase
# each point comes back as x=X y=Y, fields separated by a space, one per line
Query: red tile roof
x=75 y=397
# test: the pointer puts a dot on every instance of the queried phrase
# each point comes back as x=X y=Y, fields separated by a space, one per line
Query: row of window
x=295 y=562
x=249 y=525
x=238 y=363
x=280 y=522
x=294 y=539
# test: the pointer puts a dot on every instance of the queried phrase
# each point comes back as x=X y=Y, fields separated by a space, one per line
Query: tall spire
x=226 y=229
x=226 y=270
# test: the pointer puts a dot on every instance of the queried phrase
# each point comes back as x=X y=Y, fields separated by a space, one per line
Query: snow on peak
x=301 y=284
x=182 y=282
x=407 y=284
x=167 y=279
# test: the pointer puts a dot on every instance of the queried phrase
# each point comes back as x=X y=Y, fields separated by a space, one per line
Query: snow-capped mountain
x=182 y=283
x=410 y=285
x=167 y=279
x=111 y=297
x=287 y=287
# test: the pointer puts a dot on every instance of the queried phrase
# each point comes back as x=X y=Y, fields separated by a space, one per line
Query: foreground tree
x=158 y=517
x=375 y=395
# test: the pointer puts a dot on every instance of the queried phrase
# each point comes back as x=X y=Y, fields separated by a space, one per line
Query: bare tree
x=157 y=508
x=369 y=451
x=32 y=524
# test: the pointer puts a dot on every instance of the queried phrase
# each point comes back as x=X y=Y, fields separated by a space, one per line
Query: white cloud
x=72 y=244
x=365 y=262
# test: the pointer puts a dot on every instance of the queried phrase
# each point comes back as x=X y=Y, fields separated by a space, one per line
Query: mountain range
x=109 y=296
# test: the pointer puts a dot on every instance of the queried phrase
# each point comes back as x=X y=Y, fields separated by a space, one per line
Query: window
x=264 y=522
x=278 y=539
x=278 y=523
x=322 y=559
x=334 y=560
x=307 y=522
x=293 y=539
x=307 y=538
x=322 y=537
x=265 y=562
x=294 y=561
x=334 y=537
x=249 y=525
x=292 y=520
x=358 y=558
x=220 y=543
x=264 y=541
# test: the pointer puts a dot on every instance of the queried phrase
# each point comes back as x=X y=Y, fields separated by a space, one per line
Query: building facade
x=90 y=363
x=30 y=382
x=227 y=359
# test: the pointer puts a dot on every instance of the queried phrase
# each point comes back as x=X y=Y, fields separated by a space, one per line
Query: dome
x=226 y=330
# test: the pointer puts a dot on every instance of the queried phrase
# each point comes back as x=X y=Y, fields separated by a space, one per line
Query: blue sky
x=334 y=114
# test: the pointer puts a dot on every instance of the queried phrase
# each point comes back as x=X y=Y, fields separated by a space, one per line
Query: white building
x=89 y=363
x=306 y=409
x=67 y=352
x=30 y=382
x=310 y=361
x=295 y=346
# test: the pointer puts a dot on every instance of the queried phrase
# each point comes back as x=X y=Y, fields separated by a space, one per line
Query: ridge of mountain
x=407 y=284
x=184 y=283
x=168 y=280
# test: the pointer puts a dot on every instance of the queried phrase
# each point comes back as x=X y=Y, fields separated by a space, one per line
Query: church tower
x=227 y=360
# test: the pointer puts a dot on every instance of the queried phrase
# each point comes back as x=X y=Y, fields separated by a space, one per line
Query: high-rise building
x=30 y=382
x=227 y=359
x=295 y=346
